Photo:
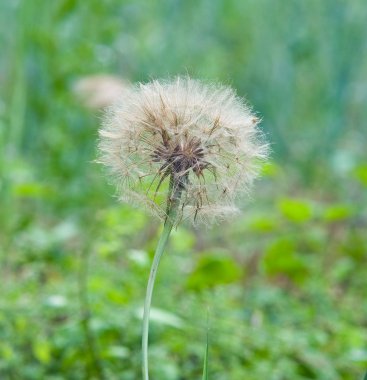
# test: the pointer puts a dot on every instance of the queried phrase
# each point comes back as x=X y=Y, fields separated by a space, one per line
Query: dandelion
x=182 y=142
x=99 y=91
x=183 y=150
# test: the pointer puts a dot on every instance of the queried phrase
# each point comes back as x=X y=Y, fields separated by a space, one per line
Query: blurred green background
x=284 y=285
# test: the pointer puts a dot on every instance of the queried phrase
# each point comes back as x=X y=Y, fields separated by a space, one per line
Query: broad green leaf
x=270 y=169
x=214 y=269
x=360 y=172
x=281 y=259
x=42 y=350
x=337 y=213
x=296 y=210
x=32 y=190
x=263 y=224
x=182 y=239
x=7 y=352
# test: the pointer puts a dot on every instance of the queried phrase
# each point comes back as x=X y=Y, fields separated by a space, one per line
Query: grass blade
x=206 y=357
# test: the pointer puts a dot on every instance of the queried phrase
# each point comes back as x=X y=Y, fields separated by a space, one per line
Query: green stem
x=148 y=297
x=173 y=200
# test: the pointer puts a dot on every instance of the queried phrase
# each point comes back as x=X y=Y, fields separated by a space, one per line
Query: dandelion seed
x=183 y=140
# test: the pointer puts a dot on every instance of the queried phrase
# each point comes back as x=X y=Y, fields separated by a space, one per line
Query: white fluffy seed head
x=99 y=91
x=203 y=136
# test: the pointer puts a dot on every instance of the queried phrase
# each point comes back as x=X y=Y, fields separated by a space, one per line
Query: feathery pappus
x=182 y=141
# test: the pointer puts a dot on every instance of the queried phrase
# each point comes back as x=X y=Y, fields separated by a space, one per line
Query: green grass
x=285 y=282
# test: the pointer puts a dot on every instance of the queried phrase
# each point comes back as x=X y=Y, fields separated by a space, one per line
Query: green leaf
x=7 y=352
x=32 y=190
x=337 y=213
x=360 y=172
x=214 y=269
x=42 y=350
x=281 y=259
x=263 y=224
x=270 y=169
x=296 y=210
x=182 y=240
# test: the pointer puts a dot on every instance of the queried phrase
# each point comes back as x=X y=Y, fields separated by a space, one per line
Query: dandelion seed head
x=99 y=91
x=201 y=137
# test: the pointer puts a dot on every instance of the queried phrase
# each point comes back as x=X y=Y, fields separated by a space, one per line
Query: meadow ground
x=282 y=287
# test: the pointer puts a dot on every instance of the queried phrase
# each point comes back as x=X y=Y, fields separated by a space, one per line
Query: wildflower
x=99 y=91
x=185 y=142
x=182 y=149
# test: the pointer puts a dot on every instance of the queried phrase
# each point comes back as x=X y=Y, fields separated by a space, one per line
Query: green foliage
x=337 y=212
x=213 y=269
x=360 y=173
x=280 y=258
x=285 y=282
x=296 y=210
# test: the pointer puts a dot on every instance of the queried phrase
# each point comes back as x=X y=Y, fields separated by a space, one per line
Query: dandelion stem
x=172 y=205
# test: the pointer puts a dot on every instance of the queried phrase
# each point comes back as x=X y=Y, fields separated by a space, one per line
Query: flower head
x=99 y=91
x=184 y=141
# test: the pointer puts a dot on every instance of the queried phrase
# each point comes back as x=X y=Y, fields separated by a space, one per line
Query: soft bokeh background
x=282 y=288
